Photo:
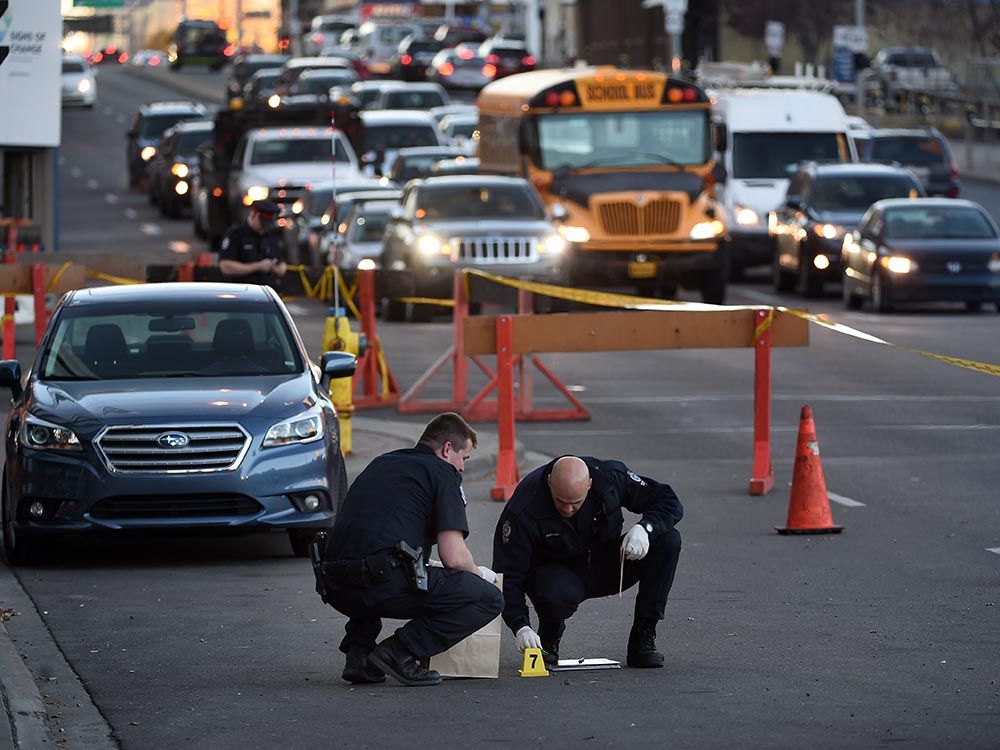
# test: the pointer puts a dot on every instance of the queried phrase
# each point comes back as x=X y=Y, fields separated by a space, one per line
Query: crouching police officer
x=252 y=251
x=559 y=541
x=404 y=502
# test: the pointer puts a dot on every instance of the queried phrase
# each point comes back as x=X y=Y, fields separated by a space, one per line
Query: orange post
x=809 y=504
x=762 y=478
x=185 y=272
x=507 y=474
x=369 y=371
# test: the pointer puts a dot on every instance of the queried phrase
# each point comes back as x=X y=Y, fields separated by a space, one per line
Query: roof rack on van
x=756 y=75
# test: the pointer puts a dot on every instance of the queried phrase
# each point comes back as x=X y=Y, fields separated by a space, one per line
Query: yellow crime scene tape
x=627 y=301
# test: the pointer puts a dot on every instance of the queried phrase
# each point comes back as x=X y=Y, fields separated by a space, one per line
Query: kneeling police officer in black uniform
x=559 y=541
x=251 y=250
x=375 y=562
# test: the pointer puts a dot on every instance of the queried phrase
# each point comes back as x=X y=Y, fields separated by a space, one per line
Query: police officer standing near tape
x=402 y=504
x=252 y=251
x=559 y=541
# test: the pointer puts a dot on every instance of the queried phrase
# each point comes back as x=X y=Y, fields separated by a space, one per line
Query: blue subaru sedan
x=170 y=406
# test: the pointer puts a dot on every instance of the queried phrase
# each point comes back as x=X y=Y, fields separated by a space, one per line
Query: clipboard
x=585 y=665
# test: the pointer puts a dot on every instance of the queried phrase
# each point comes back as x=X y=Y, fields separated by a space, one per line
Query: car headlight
x=428 y=245
x=180 y=170
x=553 y=244
x=182 y=188
x=366 y=264
x=747 y=217
x=84 y=86
x=575 y=234
x=273 y=101
x=897 y=264
x=41 y=435
x=994 y=263
x=304 y=428
x=706 y=230
x=828 y=231
x=256 y=193
x=298 y=206
x=148 y=153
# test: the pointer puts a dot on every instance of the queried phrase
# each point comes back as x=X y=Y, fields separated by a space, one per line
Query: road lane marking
x=994 y=550
x=111 y=198
x=151 y=229
x=92 y=184
x=844 y=500
x=131 y=213
x=180 y=247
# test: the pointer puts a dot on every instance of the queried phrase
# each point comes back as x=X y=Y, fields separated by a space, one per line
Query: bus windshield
x=623 y=139
x=777 y=155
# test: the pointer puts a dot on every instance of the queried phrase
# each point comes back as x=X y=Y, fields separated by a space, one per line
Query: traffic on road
x=158 y=433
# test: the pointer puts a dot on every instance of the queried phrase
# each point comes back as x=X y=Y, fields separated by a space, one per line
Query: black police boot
x=550 y=633
x=642 y=645
x=391 y=657
x=359 y=671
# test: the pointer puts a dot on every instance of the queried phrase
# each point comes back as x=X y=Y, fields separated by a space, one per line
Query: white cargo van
x=380 y=40
x=769 y=132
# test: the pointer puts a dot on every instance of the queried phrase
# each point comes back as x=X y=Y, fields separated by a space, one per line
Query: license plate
x=641 y=270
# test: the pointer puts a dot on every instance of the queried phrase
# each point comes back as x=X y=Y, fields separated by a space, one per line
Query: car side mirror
x=558 y=212
x=794 y=202
x=720 y=136
x=336 y=365
x=10 y=377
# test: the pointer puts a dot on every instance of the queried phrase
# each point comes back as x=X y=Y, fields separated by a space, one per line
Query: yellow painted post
x=338 y=337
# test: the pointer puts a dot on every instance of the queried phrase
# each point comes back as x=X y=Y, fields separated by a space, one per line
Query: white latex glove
x=488 y=575
x=527 y=638
x=432 y=563
x=636 y=543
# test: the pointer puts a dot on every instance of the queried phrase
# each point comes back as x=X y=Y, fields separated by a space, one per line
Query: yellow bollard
x=338 y=337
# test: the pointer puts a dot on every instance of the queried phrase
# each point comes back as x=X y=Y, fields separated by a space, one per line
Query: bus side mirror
x=720 y=136
x=719 y=174
x=10 y=377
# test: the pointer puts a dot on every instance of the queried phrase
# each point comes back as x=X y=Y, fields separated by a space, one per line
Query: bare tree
x=812 y=22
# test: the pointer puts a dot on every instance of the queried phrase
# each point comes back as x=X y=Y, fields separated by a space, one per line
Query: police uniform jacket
x=243 y=244
x=531 y=531
x=406 y=495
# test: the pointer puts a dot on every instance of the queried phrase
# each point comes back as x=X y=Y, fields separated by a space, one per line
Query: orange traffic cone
x=809 y=505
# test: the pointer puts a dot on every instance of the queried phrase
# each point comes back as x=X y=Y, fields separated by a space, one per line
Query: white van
x=380 y=40
x=768 y=133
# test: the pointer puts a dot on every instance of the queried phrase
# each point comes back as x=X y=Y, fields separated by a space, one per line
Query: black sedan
x=923 y=250
x=170 y=406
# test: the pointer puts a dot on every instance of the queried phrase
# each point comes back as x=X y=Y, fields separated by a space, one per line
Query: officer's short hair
x=448 y=427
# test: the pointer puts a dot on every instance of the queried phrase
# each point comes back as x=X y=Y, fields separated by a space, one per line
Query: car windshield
x=917 y=151
x=404 y=99
x=189 y=141
x=416 y=166
x=72 y=66
x=278 y=151
x=320 y=84
x=937 y=223
x=778 y=155
x=469 y=201
x=368 y=228
x=209 y=338
x=623 y=139
x=857 y=193
x=154 y=125
x=390 y=136
x=417 y=45
x=247 y=68
x=200 y=34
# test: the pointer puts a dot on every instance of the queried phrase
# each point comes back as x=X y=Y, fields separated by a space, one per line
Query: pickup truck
x=236 y=159
x=896 y=70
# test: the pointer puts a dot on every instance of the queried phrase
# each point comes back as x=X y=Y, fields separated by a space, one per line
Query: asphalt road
x=885 y=634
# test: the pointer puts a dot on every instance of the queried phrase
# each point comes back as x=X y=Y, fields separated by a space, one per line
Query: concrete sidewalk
x=26 y=725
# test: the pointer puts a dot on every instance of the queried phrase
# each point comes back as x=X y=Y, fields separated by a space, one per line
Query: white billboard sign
x=30 y=97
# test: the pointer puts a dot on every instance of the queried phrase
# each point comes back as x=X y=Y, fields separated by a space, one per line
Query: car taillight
x=317 y=38
x=406 y=59
x=493 y=59
x=98 y=57
x=154 y=60
x=465 y=54
x=123 y=57
x=529 y=60
x=229 y=50
x=446 y=69
x=489 y=70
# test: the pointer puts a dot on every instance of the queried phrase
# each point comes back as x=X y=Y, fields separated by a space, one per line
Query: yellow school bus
x=625 y=161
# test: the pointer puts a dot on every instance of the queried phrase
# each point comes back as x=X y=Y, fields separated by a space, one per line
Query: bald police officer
x=412 y=496
x=559 y=542
x=252 y=251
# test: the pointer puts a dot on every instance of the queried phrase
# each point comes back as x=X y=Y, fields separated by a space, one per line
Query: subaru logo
x=953 y=266
x=173 y=440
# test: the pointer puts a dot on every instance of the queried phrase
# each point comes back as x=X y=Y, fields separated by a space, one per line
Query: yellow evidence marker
x=534 y=665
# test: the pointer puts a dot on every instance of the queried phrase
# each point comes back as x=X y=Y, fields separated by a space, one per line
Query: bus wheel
x=713 y=286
